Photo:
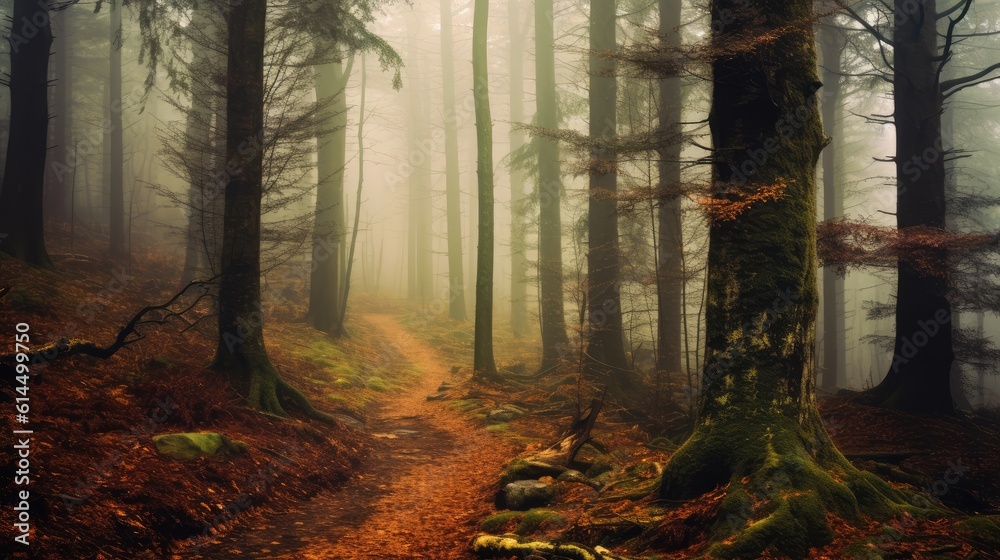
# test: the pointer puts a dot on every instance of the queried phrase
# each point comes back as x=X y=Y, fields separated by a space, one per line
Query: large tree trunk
x=550 y=269
x=117 y=192
x=919 y=377
x=518 y=260
x=22 y=194
x=453 y=192
x=605 y=355
x=483 y=364
x=832 y=44
x=758 y=429
x=241 y=351
x=670 y=239
x=328 y=229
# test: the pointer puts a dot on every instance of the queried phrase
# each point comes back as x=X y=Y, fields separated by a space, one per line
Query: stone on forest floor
x=578 y=477
x=503 y=414
x=526 y=494
x=348 y=421
x=439 y=396
x=194 y=445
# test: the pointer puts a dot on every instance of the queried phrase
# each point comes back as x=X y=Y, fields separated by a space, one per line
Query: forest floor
x=426 y=486
x=399 y=476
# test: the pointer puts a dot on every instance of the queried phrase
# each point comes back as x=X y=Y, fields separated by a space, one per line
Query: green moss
x=528 y=522
x=498 y=428
x=985 y=529
x=377 y=384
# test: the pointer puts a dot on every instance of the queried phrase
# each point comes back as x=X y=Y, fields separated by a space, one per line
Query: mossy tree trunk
x=241 y=351
x=605 y=354
x=483 y=363
x=22 y=199
x=758 y=429
x=550 y=269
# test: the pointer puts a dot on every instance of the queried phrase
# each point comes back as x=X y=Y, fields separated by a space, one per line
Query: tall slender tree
x=484 y=365
x=328 y=230
x=605 y=354
x=550 y=267
x=518 y=260
x=453 y=192
x=22 y=193
x=116 y=132
x=670 y=239
x=758 y=430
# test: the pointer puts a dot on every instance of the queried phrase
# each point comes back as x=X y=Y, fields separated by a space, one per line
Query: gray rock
x=195 y=445
x=523 y=495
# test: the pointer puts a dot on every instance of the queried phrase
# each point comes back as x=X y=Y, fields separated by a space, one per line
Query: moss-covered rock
x=527 y=494
x=528 y=522
x=195 y=445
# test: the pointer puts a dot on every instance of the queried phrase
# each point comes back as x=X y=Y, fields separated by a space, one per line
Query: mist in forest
x=689 y=217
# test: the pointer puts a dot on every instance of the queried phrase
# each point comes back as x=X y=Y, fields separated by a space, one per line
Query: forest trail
x=420 y=495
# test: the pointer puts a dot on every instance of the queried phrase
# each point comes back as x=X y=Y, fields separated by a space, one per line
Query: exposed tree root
x=782 y=482
x=488 y=546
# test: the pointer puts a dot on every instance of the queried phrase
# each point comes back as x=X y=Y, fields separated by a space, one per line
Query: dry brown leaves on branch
x=930 y=250
x=729 y=203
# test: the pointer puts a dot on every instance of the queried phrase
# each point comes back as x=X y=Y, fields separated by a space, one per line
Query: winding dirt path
x=421 y=494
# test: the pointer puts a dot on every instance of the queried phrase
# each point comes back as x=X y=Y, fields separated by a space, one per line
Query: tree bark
x=670 y=239
x=605 y=354
x=555 y=343
x=918 y=379
x=518 y=260
x=117 y=155
x=453 y=192
x=832 y=45
x=60 y=172
x=483 y=363
x=328 y=229
x=22 y=194
x=758 y=429
x=201 y=193
x=241 y=351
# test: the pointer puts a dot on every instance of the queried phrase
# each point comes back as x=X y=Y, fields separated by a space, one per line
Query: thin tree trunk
x=117 y=192
x=59 y=171
x=453 y=192
x=555 y=343
x=328 y=230
x=670 y=242
x=22 y=193
x=483 y=363
x=518 y=261
x=606 y=358
x=199 y=150
x=357 y=204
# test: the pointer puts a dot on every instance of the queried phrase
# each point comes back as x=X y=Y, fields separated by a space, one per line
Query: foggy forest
x=509 y=279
